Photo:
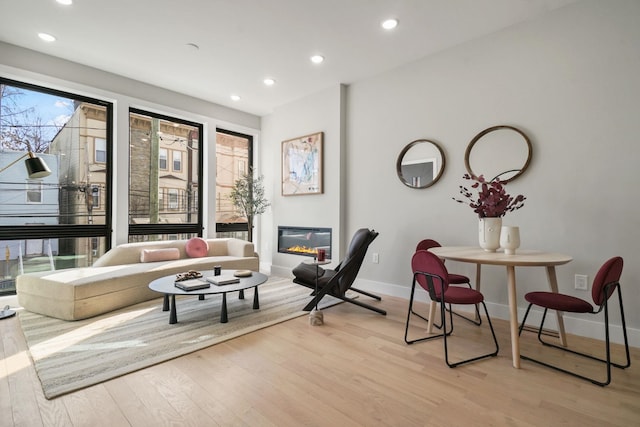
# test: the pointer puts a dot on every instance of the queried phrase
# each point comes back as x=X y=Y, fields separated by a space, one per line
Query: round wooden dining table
x=522 y=258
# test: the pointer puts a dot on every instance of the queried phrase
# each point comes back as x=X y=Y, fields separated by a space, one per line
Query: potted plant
x=247 y=195
x=491 y=203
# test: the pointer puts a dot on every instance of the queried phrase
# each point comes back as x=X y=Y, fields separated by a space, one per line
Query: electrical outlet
x=374 y=258
x=581 y=282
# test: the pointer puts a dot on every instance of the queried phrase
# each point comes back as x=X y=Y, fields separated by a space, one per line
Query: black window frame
x=224 y=227
x=53 y=231
x=196 y=228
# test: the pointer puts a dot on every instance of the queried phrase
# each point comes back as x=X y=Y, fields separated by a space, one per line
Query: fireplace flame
x=302 y=249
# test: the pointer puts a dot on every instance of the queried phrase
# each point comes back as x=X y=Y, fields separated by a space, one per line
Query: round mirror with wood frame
x=420 y=164
x=502 y=152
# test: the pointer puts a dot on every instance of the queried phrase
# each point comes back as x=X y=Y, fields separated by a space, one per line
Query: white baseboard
x=573 y=325
x=277 y=270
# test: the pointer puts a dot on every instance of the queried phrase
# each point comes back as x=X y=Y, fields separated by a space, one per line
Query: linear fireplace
x=304 y=240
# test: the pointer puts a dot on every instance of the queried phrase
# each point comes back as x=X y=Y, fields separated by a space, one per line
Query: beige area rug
x=72 y=355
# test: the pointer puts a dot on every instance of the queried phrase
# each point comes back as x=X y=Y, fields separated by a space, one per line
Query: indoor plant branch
x=247 y=195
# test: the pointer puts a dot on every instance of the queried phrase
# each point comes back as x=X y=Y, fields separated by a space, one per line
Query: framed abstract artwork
x=302 y=165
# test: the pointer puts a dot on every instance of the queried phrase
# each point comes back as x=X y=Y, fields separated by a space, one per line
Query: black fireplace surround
x=304 y=240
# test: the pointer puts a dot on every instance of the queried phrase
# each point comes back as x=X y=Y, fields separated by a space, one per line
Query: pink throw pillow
x=196 y=247
x=153 y=255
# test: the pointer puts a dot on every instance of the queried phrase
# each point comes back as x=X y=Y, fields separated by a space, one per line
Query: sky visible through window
x=23 y=108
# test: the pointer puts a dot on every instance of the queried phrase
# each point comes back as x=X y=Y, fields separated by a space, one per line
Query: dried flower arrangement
x=492 y=199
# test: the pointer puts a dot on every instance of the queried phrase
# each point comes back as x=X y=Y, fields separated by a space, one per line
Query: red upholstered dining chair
x=430 y=273
x=605 y=283
x=454 y=279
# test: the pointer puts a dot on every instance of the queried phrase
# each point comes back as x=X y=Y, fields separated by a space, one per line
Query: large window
x=177 y=160
x=52 y=221
x=34 y=192
x=173 y=198
x=101 y=150
x=234 y=156
x=162 y=158
x=164 y=176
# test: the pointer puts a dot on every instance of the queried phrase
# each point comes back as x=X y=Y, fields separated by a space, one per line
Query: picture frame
x=302 y=168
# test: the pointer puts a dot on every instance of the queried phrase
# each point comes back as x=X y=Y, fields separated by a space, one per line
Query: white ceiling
x=243 y=41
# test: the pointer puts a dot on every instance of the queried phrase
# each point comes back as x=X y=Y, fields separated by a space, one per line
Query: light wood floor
x=355 y=370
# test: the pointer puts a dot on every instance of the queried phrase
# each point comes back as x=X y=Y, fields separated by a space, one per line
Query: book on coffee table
x=225 y=279
x=192 y=284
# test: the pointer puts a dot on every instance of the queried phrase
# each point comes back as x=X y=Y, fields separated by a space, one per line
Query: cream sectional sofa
x=120 y=278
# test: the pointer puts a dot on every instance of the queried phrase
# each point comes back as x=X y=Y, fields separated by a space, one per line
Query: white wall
x=570 y=81
x=317 y=113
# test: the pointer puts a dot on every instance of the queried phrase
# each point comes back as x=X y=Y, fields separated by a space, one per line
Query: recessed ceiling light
x=46 y=37
x=65 y=2
x=269 y=81
x=317 y=59
x=389 y=24
x=235 y=97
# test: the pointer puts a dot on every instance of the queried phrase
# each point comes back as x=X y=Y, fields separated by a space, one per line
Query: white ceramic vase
x=489 y=233
x=510 y=239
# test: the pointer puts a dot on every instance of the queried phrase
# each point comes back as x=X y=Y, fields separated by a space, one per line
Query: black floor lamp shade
x=36 y=167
